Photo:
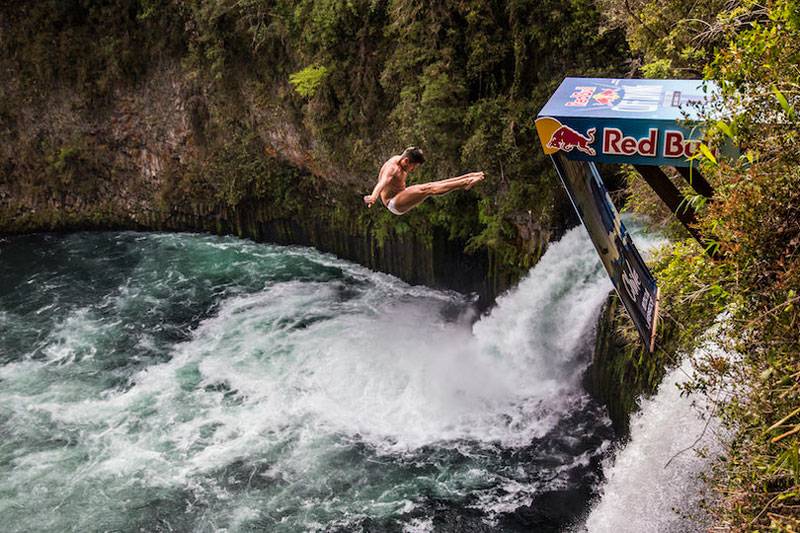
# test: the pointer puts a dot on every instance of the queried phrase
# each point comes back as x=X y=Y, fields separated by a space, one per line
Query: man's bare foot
x=478 y=176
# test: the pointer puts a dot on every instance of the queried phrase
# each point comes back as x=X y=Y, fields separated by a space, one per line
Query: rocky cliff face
x=622 y=370
x=142 y=159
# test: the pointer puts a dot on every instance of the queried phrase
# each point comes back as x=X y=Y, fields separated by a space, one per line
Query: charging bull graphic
x=565 y=138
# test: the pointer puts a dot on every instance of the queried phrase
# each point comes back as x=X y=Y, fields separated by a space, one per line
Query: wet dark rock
x=620 y=372
x=552 y=511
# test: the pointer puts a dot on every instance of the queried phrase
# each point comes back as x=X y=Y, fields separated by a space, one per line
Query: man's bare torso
x=397 y=178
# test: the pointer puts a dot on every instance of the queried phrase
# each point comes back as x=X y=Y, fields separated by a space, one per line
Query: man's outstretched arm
x=383 y=180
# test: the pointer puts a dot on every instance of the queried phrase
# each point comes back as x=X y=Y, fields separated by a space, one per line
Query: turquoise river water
x=178 y=382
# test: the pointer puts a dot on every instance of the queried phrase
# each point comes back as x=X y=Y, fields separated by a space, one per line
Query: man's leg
x=414 y=195
x=470 y=175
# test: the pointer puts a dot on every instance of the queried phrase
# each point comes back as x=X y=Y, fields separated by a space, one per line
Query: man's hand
x=369 y=200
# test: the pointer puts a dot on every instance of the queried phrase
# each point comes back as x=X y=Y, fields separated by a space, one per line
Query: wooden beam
x=697 y=181
x=671 y=197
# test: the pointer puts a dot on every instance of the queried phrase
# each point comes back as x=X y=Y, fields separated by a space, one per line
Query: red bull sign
x=644 y=122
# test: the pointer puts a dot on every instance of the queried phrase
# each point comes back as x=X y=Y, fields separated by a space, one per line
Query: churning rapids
x=173 y=382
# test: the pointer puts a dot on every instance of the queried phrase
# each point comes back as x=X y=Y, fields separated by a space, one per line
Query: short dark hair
x=414 y=155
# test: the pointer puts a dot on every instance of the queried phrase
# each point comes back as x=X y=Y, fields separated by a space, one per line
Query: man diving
x=400 y=199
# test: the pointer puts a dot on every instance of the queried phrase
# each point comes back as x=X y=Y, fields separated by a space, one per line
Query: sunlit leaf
x=707 y=153
x=787 y=108
x=725 y=128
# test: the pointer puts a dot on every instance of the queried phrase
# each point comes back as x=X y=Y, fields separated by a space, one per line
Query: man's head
x=411 y=158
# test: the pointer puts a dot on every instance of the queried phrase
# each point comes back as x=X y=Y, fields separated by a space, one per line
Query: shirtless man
x=400 y=199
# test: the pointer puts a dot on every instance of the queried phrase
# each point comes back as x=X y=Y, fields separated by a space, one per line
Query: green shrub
x=307 y=81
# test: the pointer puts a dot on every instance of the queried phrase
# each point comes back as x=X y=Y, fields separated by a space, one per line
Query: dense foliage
x=751 y=287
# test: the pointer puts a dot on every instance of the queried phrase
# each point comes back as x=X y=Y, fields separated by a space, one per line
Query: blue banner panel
x=629 y=274
x=643 y=122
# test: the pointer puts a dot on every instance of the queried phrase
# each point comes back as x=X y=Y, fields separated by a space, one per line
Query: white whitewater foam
x=397 y=378
x=654 y=484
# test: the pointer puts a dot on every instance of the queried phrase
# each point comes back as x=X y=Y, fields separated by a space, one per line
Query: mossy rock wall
x=621 y=371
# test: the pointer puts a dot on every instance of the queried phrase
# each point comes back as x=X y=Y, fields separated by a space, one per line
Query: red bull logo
x=606 y=96
x=565 y=138
x=667 y=145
